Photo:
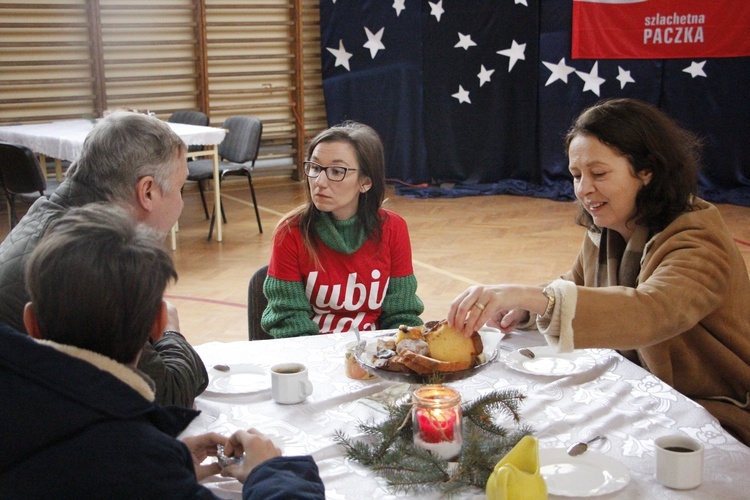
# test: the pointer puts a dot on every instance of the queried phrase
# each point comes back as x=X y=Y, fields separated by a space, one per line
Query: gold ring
x=479 y=306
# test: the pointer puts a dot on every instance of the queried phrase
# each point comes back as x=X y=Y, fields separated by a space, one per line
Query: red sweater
x=350 y=288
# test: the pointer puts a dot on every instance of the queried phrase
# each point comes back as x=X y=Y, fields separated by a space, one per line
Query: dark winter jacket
x=173 y=365
x=77 y=424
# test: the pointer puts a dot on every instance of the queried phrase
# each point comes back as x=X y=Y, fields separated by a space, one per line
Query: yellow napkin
x=517 y=474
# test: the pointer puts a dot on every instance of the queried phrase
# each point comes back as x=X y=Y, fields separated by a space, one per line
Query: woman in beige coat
x=658 y=277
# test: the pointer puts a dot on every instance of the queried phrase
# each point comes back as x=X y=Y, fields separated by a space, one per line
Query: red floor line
x=742 y=242
x=210 y=301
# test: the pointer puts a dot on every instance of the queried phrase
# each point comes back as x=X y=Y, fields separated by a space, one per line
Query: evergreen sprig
x=391 y=453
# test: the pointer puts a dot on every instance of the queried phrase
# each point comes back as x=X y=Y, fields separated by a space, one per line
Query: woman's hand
x=505 y=305
x=257 y=449
x=507 y=321
x=201 y=447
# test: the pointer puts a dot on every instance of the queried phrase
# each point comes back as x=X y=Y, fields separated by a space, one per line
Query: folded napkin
x=517 y=474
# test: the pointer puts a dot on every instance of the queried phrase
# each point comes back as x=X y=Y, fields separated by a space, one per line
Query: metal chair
x=189 y=117
x=238 y=152
x=22 y=176
x=256 y=304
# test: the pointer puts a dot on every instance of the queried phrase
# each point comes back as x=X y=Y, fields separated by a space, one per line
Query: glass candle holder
x=436 y=417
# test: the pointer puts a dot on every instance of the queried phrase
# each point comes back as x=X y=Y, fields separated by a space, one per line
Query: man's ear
x=160 y=322
x=144 y=192
x=30 y=321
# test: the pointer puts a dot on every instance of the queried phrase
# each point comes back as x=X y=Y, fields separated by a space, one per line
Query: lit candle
x=437 y=420
x=436 y=426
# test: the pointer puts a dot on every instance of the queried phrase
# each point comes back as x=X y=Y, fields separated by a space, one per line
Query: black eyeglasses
x=335 y=174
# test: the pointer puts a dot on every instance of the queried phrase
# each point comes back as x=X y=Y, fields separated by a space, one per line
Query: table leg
x=58 y=169
x=173 y=233
x=217 y=194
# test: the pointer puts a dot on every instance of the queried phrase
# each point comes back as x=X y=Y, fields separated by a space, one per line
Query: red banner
x=660 y=29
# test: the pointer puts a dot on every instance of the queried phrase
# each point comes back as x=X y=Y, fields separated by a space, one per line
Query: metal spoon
x=527 y=352
x=221 y=368
x=580 y=448
x=524 y=352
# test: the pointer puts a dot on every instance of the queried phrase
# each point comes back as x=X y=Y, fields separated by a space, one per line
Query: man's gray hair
x=123 y=148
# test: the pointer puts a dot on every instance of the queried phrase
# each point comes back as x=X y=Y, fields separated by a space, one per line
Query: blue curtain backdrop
x=474 y=96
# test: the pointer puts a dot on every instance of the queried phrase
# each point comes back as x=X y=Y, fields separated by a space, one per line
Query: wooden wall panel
x=257 y=65
x=76 y=58
x=45 y=61
x=149 y=51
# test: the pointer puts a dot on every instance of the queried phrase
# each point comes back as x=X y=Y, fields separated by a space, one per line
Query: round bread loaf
x=448 y=344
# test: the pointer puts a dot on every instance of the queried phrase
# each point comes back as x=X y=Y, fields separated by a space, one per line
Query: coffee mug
x=289 y=383
x=679 y=462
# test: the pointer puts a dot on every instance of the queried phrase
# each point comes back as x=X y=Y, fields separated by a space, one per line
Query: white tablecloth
x=64 y=139
x=615 y=398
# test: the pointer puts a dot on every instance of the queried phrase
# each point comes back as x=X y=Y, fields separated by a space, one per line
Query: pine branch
x=506 y=402
x=408 y=468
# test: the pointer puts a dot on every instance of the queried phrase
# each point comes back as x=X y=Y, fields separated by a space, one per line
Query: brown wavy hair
x=651 y=141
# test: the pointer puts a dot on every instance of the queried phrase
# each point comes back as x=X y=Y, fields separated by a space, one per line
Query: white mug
x=679 y=462
x=289 y=383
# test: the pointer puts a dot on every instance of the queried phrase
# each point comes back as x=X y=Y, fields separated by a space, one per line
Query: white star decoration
x=515 y=52
x=398 y=6
x=436 y=9
x=484 y=75
x=591 y=80
x=342 y=56
x=624 y=77
x=462 y=95
x=696 y=69
x=464 y=42
x=560 y=71
x=374 y=42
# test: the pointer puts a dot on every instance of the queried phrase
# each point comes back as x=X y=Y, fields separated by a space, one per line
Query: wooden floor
x=455 y=243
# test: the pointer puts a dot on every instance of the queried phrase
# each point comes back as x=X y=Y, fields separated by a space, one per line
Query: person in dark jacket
x=137 y=162
x=78 y=420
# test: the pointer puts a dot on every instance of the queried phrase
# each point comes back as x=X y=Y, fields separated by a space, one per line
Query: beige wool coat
x=687 y=319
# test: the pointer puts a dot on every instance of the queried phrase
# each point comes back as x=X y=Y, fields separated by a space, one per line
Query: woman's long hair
x=371 y=159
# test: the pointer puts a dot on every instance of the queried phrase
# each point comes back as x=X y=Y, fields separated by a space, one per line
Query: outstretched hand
x=498 y=305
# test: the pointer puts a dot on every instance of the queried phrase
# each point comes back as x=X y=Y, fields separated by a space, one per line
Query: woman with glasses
x=340 y=261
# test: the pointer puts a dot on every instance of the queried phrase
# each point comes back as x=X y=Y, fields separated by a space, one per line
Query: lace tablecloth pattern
x=614 y=397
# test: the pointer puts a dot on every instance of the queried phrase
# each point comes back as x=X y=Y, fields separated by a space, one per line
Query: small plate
x=587 y=475
x=240 y=379
x=547 y=361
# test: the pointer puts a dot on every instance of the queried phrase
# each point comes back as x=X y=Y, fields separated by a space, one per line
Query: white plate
x=548 y=362
x=240 y=379
x=587 y=475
